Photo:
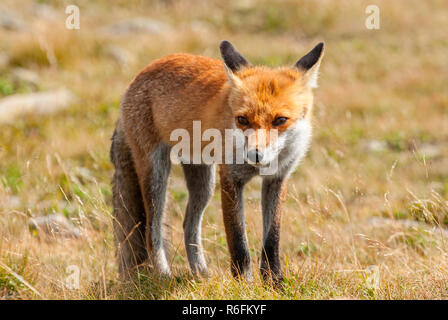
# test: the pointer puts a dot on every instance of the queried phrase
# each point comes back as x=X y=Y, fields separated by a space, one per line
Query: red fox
x=172 y=93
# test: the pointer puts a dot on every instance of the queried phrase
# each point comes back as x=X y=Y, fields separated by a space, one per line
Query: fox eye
x=242 y=120
x=279 y=121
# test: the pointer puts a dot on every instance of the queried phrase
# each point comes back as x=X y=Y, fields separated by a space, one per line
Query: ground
x=366 y=212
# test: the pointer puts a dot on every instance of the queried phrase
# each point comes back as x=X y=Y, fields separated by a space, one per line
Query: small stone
x=381 y=222
x=4 y=60
x=201 y=28
x=430 y=150
x=376 y=145
x=44 y=11
x=25 y=75
x=11 y=22
x=12 y=202
x=37 y=103
x=138 y=25
x=54 y=225
x=119 y=55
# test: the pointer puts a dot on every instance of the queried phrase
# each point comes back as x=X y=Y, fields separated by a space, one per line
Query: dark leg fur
x=154 y=182
x=233 y=212
x=273 y=193
x=200 y=183
x=129 y=212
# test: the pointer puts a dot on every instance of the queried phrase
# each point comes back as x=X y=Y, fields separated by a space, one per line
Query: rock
x=375 y=146
x=4 y=60
x=201 y=28
x=37 y=103
x=119 y=55
x=11 y=22
x=54 y=225
x=245 y=4
x=44 y=11
x=429 y=150
x=380 y=222
x=138 y=25
x=11 y=202
x=25 y=75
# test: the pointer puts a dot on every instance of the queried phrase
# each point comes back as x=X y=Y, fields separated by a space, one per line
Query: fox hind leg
x=154 y=181
x=200 y=183
x=129 y=211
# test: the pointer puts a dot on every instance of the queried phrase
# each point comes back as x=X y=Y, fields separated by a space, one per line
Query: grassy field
x=367 y=211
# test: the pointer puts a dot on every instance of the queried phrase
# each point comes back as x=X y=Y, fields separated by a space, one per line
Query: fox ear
x=233 y=78
x=310 y=63
x=232 y=58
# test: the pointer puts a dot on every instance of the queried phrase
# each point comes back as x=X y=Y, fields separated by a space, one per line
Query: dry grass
x=350 y=211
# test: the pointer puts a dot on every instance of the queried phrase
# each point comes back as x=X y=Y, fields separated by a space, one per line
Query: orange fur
x=183 y=88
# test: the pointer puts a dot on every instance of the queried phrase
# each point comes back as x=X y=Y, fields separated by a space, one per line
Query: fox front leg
x=233 y=214
x=273 y=194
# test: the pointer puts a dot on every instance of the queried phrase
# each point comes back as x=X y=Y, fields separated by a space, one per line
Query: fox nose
x=255 y=155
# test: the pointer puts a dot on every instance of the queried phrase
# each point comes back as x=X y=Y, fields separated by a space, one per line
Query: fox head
x=272 y=106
